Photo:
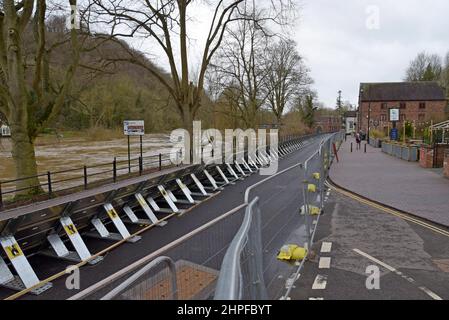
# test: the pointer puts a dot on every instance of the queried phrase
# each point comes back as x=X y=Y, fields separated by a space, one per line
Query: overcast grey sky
x=346 y=42
x=342 y=51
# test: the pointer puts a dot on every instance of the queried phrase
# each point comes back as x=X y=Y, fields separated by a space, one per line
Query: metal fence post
x=140 y=165
x=1 y=196
x=85 y=177
x=160 y=162
x=114 y=169
x=50 y=189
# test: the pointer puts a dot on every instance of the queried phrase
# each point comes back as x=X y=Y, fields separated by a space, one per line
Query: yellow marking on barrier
x=391 y=211
x=112 y=213
x=141 y=202
x=311 y=188
x=70 y=229
x=317 y=175
x=13 y=251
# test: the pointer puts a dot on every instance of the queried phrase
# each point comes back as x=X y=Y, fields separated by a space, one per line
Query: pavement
x=400 y=184
x=355 y=240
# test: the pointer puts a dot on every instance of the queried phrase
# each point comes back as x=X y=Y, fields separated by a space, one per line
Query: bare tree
x=425 y=67
x=287 y=76
x=242 y=69
x=165 y=22
x=28 y=97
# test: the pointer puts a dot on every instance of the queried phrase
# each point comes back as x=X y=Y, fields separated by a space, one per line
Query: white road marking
x=326 y=247
x=390 y=268
x=431 y=294
x=325 y=263
x=320 y=282
x=316 y=298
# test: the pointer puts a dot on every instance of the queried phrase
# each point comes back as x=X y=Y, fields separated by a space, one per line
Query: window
x=383 y=117
x=422 y=105
x=384 y=106
x=403 y=105
x=421 y=117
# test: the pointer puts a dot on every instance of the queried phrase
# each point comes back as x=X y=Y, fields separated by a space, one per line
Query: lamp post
x=369 y=111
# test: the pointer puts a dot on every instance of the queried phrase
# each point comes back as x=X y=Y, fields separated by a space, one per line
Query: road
x=279 y=200
x=413 y=258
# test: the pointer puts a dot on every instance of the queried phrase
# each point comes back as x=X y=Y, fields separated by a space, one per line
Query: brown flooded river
x=70 y=153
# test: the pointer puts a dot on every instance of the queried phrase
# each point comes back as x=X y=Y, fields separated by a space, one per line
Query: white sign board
x=394 y=115
x=134 y=128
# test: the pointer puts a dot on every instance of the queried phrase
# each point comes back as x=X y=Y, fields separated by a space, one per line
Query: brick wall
x=412 y=112
x=446 y=164
x=426 y=159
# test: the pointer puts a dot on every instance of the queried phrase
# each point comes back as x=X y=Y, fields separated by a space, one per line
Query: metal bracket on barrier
x=200 y=186
x=186 y=191
x=168 y=199
x=223 y=176
x=156 y=207
x=146 y=208
x=81 y=252
x=260 y=159
x=282 y=151
x=212 y=181
x=245 y=164
x=232 y=172
x=26 y=277
x=103 y=233
x=253 y=163
x=239 y=168
x=133 y=218
x=266 y=156
x=176 y=200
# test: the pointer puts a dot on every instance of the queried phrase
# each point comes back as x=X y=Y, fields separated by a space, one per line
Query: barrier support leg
x=103 y=233
x=26 y=277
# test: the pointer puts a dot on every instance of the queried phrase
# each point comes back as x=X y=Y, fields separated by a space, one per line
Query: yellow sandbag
x=311 y=188
x=292 y=252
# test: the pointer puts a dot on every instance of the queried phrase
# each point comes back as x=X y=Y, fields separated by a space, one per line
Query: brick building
x=328 y=123
x=418 y=102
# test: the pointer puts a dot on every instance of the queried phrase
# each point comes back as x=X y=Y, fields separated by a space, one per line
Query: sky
x=346 y=42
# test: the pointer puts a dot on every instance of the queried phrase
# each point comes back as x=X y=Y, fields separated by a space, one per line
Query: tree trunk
x=25 y=162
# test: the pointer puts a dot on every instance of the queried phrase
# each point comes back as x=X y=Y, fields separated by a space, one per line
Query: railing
x=57 y=183
x=140 y=289
x=247 y=251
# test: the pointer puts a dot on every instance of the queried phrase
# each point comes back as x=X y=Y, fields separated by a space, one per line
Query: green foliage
x=377 y=134
x=307 y=111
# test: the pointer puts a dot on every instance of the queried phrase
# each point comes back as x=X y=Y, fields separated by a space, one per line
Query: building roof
x=351 y=114
x=402 y=91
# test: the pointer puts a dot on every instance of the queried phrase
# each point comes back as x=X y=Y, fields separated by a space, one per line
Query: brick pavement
x=394 y=182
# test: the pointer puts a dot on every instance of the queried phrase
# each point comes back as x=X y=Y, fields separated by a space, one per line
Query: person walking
x=358 y=140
